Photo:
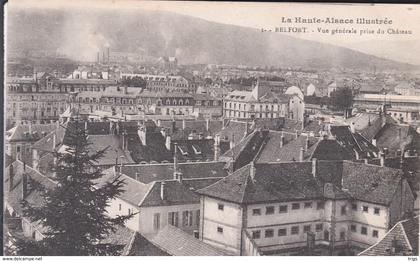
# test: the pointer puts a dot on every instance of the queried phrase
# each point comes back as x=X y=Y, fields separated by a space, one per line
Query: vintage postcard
x=153 y=128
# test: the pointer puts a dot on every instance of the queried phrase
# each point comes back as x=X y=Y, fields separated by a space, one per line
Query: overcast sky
x=399 y=47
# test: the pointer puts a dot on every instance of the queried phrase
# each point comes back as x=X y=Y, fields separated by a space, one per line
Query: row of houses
x=242 y=188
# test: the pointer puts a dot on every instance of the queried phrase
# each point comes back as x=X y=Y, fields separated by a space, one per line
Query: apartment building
x=277 y=208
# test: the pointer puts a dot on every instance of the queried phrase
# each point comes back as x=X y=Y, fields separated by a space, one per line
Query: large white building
x=261 y=102
x=277 y=208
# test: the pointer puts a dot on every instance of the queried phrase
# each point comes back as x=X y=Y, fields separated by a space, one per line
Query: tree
x=74 y=212
x=342 y=98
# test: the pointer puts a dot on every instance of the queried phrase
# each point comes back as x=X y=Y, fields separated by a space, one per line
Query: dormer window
x=183 y=150
x=196 y=149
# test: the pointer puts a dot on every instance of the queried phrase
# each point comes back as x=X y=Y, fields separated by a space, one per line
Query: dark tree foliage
x=74 y=212
x=134 y=82
x=342 y=98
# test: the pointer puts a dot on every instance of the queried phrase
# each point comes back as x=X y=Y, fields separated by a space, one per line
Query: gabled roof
x=113 y=151
x=276 y=182
x=272 y=152
x=402 y=239
x=397 y=137
x=21 y=132
x=134 y=191
x=156 y=172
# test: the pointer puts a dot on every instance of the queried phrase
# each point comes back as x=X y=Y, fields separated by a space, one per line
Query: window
x=256 y=234
x=187 y=218
x=364 y=231
x=376 y=211
x=197 y=218
x=354 y=206
x=256 y=212
x=296 y=206
x=308 y=205
x=220 y=207
x=343 y=210
x=269 y=210
x=156 y=221
x=282 y=232
x=283 y=209
x=269 y=233
x=353 y=228
x=320 y=205
x=295 y=230
x=173 y=218
x=365 y=209
x=342 y=235
x=220 y=230
x=306 y=228
x=318 y=227
x=375 y=233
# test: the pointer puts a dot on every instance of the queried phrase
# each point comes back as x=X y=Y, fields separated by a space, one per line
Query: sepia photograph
x=182 y=128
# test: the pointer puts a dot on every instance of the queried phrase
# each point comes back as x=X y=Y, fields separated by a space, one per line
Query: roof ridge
x=37 y=172
x=147 y=192
x=389 y=231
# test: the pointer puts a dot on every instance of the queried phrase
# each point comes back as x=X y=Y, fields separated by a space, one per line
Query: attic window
x=196 y=149
x=183 y=150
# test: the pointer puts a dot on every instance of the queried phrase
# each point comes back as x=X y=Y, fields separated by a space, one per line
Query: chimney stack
x=30 y=127
x=173 y=126
x=162 y=190
x=86 y=127
x=232 y=141
x=382 y=158
x=207 y=124
x=374 y=142
x=24 y=185
x=175 y=159
x=54 y=141
x=216 y=147
x=301 y=153
x=183 y=124
x=11 y=177
x=296 y=134
x=282 y=140
x=137 y=175
x=252 y=170
x=168 y=142
x=314 y=167
x=352 y=128
x=307 y=143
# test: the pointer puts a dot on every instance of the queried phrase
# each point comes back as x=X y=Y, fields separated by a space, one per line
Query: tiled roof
x=14 y=196
x=367 y=124
x=114 y=150
x=294 y=181
x=370 y=183
x=353 y=142
x=402 y=239
x=272 y=183
x=143 y=247
x=123 y=237
x=176 y=242
x=397 y=137
x=134 y=191
x=21 y=132
x=45 y=144
x=235 y=129
x=156 y=172
x=272 y=152
x=175 y=194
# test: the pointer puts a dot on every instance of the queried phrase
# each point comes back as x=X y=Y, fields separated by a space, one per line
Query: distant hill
x=80 y=34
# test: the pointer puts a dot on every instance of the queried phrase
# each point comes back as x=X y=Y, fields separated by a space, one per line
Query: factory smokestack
x=97 y=58
x=103 y=57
